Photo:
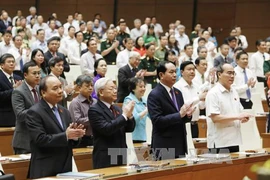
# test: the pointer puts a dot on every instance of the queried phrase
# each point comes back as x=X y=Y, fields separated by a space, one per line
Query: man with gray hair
x=127 y=72
x=181 y=37
x=109 y=124
x=33 y=14
x=137 y=31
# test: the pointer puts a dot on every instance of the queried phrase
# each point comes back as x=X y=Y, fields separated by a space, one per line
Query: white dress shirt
x=122 y=58
x=4 y=48
x=66 y=26
x=65 y=43
x=15 y=52
x=220 y=101
x=182 y=40
x=144 y=27
x=244 y=41
x=37 y=26
x=190 y=95
x=135 y=33
x=158 y=29
x=239 y=81
x=255 y=63
x=39 y=45
x=74 y=52
x=87 y=62
x=50 y=33
x=201 y=82
x=184 y=58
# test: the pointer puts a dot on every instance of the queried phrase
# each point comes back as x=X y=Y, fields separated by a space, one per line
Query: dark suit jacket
x=48 y=56
x=169 y=130
x=51 y=152
x=108 y=132
x=3 y=27
x=7 y=116
x=22 y=100
x=124 y=76
x=220 y=61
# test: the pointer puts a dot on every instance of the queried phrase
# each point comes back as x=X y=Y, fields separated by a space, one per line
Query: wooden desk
x=235 y=169
x=265 y=139
x=82 y=156
x=265 y=106
x=6 y=135
x=260 y=120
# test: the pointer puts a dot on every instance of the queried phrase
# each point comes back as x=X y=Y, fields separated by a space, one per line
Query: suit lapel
x=51 y=114
x=28 y=93
x=5 y=79
x=106 y=110
x=166 y=94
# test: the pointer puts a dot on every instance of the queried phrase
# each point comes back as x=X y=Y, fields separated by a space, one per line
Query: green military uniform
x=120 y=37
x=193 y=35
x=150 y=65
x=111 y=56
x=87 y=35
x=160 y=53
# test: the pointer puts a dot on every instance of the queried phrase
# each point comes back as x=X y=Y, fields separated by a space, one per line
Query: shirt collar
x=239 y=68
x=222 y=56
x=107 y=104
x=222 y=88
x=50 y=105
x=184 y=82
x=7 y=75
x=55 y=75
x=30 y=87
x=83 y=99
x=166 y=87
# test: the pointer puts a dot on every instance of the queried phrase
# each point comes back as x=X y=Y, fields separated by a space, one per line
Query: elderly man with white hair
x=181 y=37
x=127 y=72
x=109 y=124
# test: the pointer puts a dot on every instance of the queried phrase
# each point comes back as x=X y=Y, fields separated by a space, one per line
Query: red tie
x=35 y=96
x=113 y=111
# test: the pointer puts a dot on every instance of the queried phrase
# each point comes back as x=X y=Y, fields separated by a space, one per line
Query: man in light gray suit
x=223 y=57
x=23 y=98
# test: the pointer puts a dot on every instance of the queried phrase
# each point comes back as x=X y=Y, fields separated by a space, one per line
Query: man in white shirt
x=244 y=80
x=75 y=49
x=88 y=59
x=137 y=30
x=181 y=37
x=69 y=23
x=40 y=43
x=19 y=15
x=191 y=94
x=39 y=25
x=144 y=27
x=257 y=59
x=158 y=28
x=187 y=56
x=224 y=113
x=6 y=45
x=67 y=41
x=33 y=14
x=122 y=57
x=241 y=37
x=51 y=31
x=20 y=54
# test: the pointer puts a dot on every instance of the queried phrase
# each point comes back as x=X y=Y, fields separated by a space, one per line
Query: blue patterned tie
x=246 y=80
x=57 y=115
x=174 y=99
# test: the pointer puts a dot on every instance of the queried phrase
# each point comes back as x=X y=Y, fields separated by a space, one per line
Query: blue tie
x=246 y=80
x=174 y=99
x=56 y=113
x=21 y=65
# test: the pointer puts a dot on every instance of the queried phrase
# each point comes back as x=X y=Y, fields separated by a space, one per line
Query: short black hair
x=167 y=53
x=238 y=55
x=71 y=27
x=7 y=32
x=54 y=38
x=198 y=60
x=20 y=30
x=147 y=46
x=39 y=30
x=76 y=33
x=185 y=47
x=258 y=42
x=27 y=65
x=54 y=60
x=83 y=79
x=238 y=49
x=133 y=83
x=184 y=64
x=4 y=57
x=161 y=67
x=89 y=40
x=231 y=38
x=201 y=39
x=14 y=38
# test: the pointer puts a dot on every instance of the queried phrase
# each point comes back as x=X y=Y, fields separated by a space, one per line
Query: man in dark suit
x=109 y=125
x=168 y=114
x=223 y=57
x=127 y=72
x=23 y=98
x=51 y=132
x=53 y=46
x=5 y=25
x=8 y=81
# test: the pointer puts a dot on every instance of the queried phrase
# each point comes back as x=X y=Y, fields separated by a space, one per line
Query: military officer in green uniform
x=89 y=32
x=149 y=63
x=161 y=50
x=122 y=34
x=110 y=48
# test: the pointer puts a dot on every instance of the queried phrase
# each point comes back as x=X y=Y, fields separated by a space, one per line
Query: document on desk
x=77 y=175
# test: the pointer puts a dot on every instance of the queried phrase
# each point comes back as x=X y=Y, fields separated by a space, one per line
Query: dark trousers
x=246 y=104
x=231 y=149
x=20 y=151
x=194 y=129
x=86 y=141
x=262 y=79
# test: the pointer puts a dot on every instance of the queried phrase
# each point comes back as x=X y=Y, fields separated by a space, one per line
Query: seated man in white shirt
x=67 y=41
x=187 y=56
x=88 y=59
x=244 y=80
x=224 y=113
x=191 y=94
x=51 y=31
x=6 y=45
x=122 y=57
x=182 y=38
x=137 y=30
x=40 y=43
x=75 y=49
x=39 y=25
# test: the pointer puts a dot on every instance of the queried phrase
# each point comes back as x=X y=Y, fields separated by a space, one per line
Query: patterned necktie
x=94 y=57
x=11 y=80
x=113 y=111
x=35 y=95
x=246 y=80
x=203 y=79
x=174 y=99
x=57 y=115
x=225 y=60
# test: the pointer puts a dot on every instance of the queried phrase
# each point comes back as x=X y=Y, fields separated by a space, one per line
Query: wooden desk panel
x=265 y=106
x=265 y=139
x=6 y=135
x=202 y=128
